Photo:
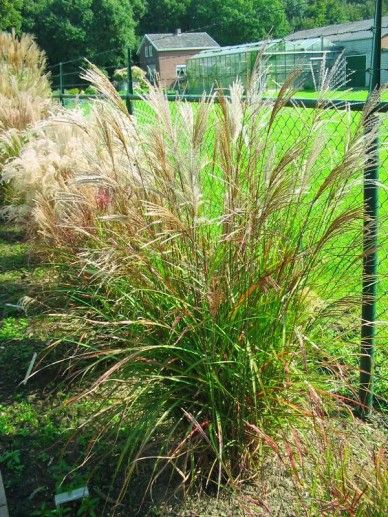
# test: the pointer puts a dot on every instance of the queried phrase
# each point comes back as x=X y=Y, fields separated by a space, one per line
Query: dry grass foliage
x=25 y=91
x=333 y=467
x=204 y=254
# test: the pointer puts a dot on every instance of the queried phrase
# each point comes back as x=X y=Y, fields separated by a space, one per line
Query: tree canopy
x=239 y=21
x=68 y=29
x=10 y=14
x=164 y=16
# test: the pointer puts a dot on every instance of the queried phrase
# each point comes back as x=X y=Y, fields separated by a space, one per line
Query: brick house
x=164 y=56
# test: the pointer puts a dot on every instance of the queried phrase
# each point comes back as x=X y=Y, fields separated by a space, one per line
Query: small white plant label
x=72 y=495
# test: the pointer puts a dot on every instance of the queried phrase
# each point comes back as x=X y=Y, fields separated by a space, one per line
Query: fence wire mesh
x=292 y=125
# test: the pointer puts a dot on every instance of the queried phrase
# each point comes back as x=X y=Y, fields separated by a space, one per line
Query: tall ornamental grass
x=24 y=86
x=199 y=252
x=25 y=92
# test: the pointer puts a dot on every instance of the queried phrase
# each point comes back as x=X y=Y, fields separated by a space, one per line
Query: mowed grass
x=345 y=95
x=341 y=95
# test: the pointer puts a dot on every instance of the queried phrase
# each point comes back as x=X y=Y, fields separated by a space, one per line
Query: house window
x=146 y=51
x=150 y=51
x=180 y=70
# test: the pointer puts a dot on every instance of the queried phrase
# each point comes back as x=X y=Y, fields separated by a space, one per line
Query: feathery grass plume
x=25 y=92
x=44 y=166
x=24 y=86
x=209 y=263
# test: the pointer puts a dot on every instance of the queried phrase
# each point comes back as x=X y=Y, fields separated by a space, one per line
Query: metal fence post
x=129 y=82
x=369 y=289
x=61 y=84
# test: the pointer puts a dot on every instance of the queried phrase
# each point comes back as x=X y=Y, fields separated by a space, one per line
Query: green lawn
x=346 y=95
x=292 y=125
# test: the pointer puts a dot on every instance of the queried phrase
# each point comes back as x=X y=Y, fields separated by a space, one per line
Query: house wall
x=147 y=61
x=168 y=60
x=365 y=47
x=384 y=66
x=359 y=47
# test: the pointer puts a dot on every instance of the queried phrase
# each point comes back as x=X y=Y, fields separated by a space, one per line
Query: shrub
x=120 y=74
x=24 y=87
x=90 y=90
x=43 y=168
x=138 y=77
x=74 y=91
x=201 y=255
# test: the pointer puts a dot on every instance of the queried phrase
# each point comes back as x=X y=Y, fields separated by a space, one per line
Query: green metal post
x=369 y=291
x=129 y=82
x=61 y=83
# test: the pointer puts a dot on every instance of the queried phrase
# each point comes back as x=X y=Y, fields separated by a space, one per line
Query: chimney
x=178 y=32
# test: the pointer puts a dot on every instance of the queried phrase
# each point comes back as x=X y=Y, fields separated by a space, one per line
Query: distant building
x=219 y=68
x=164 y=56
x=355 y=39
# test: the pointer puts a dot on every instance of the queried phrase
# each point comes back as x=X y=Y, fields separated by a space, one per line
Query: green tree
x=361 y=9
x=239 y=21
x=164 y=16
x=295 y=13
x=112 y=27
x=10 y=15
x=69 y=29
x=304 y=14
x=324 y=12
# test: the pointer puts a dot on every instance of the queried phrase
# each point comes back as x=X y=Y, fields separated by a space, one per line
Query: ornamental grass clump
x=25 y=92
x=200 y=253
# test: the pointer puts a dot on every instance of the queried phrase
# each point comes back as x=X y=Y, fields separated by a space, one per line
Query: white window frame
x=180 y=68
x=146 y=51
x=150 y=50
